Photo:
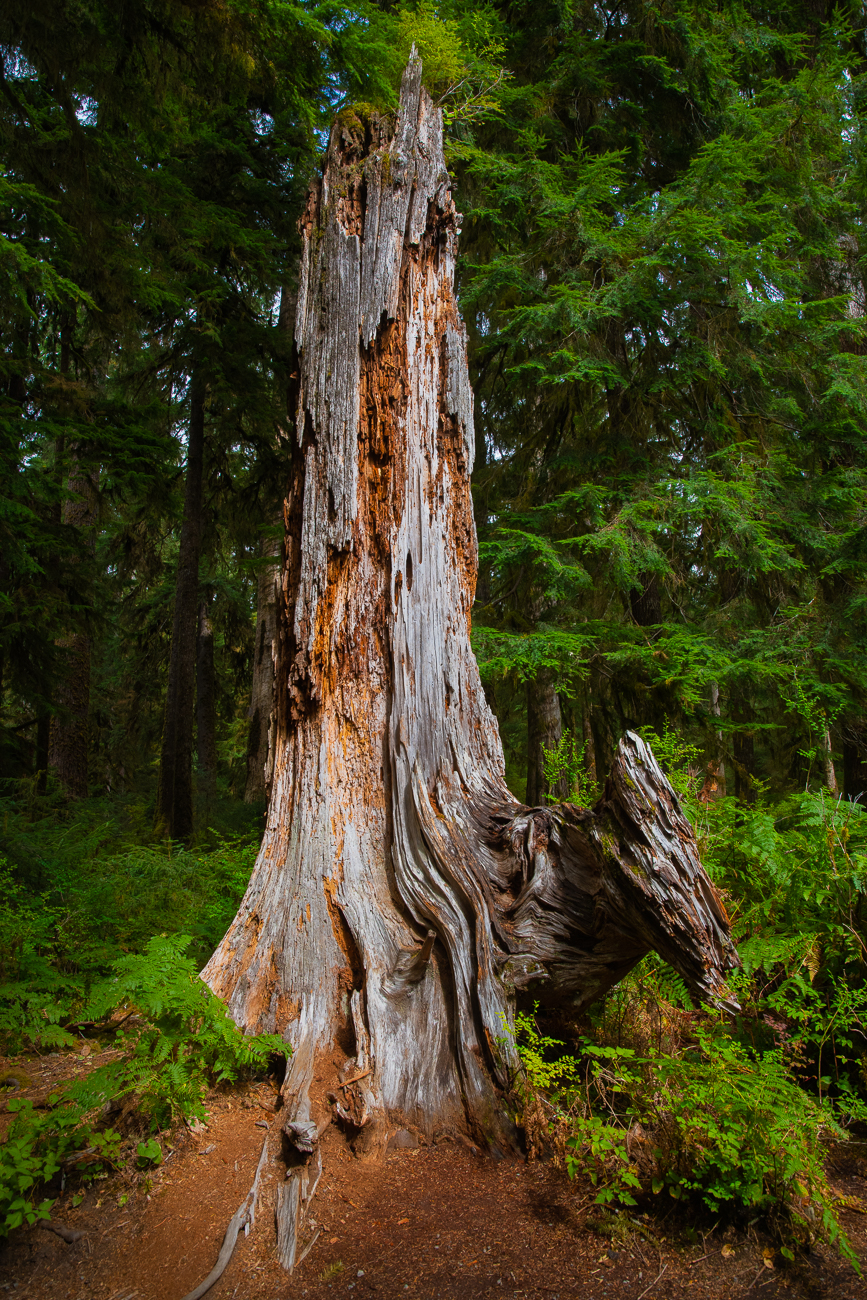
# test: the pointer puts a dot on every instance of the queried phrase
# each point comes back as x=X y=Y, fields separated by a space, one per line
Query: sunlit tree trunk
x=829 y=772
x=401 y=895
x=715 y=779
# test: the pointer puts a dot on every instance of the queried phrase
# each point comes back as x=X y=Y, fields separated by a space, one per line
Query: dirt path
x=426 y=1224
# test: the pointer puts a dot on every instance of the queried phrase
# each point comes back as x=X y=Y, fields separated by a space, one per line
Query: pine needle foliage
x=664 y=281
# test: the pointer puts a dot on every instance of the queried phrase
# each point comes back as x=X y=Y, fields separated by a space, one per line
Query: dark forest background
x=663 y=277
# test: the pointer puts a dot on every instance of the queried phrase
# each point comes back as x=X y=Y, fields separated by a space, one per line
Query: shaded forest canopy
x=662 y=276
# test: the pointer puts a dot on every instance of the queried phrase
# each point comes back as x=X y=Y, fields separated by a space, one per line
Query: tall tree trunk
x=544 y=732
x=68 y=749
x=69 y=743
x=175 y=791
x=206 y=702
x=401 y=894
x=262 y=693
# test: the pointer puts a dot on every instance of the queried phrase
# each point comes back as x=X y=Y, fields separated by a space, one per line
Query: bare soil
x=427 y=1223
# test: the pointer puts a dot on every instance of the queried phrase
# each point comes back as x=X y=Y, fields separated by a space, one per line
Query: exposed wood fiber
x=401 y=894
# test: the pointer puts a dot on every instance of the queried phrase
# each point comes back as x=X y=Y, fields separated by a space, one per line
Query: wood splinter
x=355 y=1079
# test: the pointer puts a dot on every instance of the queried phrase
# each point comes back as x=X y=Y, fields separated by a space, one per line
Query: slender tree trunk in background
x=70 y=726
x=206 y=703
x=715 y=781
x=174 y=815
x=16 y=392
x=401 y=894
x=644 y=603
x=854 y=759
x=43 y=739
x=829 y=774
x=262 y=693
x=743 y=750
x=260 y=757
x=589 y=743
x=68 y=749
x=544 y=731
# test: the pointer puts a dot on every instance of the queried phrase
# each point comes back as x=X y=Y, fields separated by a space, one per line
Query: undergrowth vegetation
x=653 y=1098
x=102 y=932
x=101 y=940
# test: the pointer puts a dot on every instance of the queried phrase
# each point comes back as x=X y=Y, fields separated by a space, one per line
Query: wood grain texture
x=402 y=895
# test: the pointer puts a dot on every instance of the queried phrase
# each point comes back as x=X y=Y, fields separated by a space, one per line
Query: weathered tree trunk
x=262 y=693
x=401 y=894
x=175 y=791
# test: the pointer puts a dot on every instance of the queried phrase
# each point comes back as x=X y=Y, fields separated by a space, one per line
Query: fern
x=184 y=1039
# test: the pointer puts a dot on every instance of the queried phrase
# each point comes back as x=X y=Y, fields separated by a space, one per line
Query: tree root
x=244 y=1217
x=293 y=1202
x=69 y=1235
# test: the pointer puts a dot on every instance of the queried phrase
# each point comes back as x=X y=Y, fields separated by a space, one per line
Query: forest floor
x=426 y=1223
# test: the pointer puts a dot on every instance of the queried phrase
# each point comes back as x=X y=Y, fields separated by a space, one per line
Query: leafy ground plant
x=176 y=1040
x=715 y=1122
x=41 y=1144
x=58 y=942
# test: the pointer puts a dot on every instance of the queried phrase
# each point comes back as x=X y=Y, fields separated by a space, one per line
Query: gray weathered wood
x=401 y=894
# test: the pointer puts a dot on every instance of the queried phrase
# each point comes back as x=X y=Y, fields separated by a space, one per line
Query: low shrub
x=176 y=1040
x=715 y=1122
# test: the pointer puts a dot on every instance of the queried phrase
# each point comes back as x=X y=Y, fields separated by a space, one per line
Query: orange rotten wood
x=401 y=893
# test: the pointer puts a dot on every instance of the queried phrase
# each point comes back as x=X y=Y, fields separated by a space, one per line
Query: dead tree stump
x=401 y=894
